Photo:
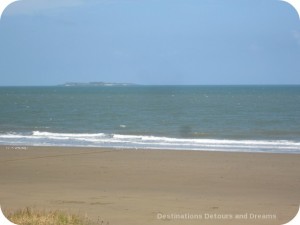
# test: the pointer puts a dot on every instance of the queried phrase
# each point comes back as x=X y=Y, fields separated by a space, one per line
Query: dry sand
x=135 y=187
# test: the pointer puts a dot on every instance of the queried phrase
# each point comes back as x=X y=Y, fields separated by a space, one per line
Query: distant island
x=95 y=84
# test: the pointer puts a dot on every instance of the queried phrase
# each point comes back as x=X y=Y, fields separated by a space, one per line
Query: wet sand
x=140 y=187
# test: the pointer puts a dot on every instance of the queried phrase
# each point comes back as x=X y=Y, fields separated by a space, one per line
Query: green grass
x=33 y=217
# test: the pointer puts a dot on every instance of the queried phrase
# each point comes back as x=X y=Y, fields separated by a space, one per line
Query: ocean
x=210 y=118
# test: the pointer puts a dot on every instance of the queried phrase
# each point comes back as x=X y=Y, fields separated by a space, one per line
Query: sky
x=155 y=42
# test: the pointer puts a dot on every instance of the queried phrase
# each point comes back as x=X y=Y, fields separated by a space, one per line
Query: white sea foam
x=36 y=138
x=47 y=134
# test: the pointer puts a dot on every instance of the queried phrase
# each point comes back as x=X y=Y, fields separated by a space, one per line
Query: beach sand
x=140 y=187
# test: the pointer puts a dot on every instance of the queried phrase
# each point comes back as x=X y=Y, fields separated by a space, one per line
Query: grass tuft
x=28 y=216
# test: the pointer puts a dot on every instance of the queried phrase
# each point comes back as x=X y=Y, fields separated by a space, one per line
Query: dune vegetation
x=30 y=216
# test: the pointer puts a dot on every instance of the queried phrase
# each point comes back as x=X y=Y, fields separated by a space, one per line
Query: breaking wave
x=38 y=138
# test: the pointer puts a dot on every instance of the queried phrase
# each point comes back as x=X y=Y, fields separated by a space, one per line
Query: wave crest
x=39 y=138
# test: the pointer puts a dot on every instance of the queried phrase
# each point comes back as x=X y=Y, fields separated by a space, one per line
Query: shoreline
x=25 y=147
x=132 y=186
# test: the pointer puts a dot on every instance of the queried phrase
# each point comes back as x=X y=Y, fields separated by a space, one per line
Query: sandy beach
x=135 y=187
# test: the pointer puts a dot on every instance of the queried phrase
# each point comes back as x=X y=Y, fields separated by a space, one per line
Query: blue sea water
x=213 y=118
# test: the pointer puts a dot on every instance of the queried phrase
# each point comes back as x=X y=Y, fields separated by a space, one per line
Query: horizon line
x=134 y=84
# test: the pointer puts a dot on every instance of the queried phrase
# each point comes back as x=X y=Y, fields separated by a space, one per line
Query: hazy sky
x=46 y=42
